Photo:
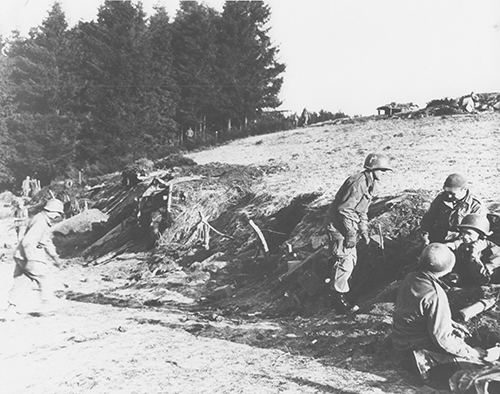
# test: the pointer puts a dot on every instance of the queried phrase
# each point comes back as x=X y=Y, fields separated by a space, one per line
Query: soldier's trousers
x=344 y=260
x=38 y=272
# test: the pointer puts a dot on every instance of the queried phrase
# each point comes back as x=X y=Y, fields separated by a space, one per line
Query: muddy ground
x=112 y=332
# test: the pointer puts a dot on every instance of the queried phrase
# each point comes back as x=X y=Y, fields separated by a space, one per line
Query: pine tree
x=6 y=145
x=195 y=50
x=129 y=95
x=43 y=131
x=248 y=69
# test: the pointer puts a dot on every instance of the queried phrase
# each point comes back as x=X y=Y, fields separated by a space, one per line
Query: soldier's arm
x=48 y=245
x=478 y=207
x=352 y=196
x=32 y=238
x=493 y=259
x=440 y=326
x=429 y=216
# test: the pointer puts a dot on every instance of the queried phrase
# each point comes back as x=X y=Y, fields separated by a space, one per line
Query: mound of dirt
x=174 y=160
x=81 y=223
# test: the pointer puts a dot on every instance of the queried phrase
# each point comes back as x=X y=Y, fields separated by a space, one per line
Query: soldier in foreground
x=347 y=217
x=423 y=329
x=36 y=251
x=439 y=224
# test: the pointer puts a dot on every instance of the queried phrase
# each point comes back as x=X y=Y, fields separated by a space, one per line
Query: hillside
x=217 y=319
x=424 y=152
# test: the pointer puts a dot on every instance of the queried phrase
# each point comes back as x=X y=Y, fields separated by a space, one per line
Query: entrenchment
x=211 y=256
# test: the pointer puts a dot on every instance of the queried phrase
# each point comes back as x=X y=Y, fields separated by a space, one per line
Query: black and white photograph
x=270 y=196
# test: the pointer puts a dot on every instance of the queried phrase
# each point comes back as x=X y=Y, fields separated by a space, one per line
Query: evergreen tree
x=43 y=132
x=6 y=151
x=195 y=51
x=249 y=72
x=129 y=95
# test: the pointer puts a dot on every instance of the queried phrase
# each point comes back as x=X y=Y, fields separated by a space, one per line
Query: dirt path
x=100 y=348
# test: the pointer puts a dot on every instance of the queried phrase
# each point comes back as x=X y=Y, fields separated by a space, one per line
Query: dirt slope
x=424 y=152
x=89 y=345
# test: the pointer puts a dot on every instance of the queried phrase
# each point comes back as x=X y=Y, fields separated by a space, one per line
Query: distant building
x=394 y=108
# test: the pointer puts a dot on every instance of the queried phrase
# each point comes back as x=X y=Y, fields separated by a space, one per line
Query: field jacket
x=477 y=261
x=36 y=244
x=349 y=210
x=422 y=317
x=443 y=216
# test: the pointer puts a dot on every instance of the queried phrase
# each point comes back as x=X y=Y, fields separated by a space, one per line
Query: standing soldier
x=439 y=224
x=20 y=218
x=347 y=217
x=36 y=251
x=26 y=186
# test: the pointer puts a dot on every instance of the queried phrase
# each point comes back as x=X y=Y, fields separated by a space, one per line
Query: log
x=477 y=308
x=303 y=263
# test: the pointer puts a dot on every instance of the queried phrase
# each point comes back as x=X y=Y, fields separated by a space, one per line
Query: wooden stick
x=305 y=261
x=204 y=220
x=169 y=201
x=257 y=230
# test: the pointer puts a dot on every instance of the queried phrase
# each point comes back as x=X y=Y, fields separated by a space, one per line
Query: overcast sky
x=353 y=55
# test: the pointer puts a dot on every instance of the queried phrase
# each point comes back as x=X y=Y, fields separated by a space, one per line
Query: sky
x=352 y=55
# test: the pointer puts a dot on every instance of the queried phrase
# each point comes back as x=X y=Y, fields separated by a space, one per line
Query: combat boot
x=342 y=305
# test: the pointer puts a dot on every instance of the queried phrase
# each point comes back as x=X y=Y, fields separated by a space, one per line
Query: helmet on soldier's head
x=437 y=258
x=476 y=222
x=54 y=205
x=455 y=181
x=377 y=161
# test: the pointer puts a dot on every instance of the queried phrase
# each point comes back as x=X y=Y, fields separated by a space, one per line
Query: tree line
x=124 y=86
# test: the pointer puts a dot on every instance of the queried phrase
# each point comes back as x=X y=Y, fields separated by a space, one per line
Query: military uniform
x=422 y=318
x=443 y=216
x=478 y=262
x=35 y=252
x=346 y=217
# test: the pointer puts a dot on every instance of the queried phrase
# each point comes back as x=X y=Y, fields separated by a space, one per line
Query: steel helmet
x=377 y=161
x=54 y=205
x=437 y=258
x=455 y=181
x=476 y=222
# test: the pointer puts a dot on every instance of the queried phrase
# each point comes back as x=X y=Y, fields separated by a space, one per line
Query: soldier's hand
x=425 y=239
x=366 y=238
x=479 y=353
x=460 y=330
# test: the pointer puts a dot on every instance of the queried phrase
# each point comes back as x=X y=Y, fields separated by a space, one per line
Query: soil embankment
x=187 y=319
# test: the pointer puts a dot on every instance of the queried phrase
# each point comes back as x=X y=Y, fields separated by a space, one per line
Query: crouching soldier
x=448 y=209
x=423 y=330
x=36 y=251
x=478 y=259
x=347 y=217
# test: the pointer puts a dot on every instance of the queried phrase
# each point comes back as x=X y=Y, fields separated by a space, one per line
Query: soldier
x=26 y=186
x=422 y=324
x=346 y=218
x=439 y=224
x=469 y=102
x=478 y=259
x=20 y=218
x=36 y=250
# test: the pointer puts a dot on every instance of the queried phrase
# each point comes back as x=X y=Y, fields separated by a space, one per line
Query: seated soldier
x=448 y=209
x=422 y=326
x=478 y=259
